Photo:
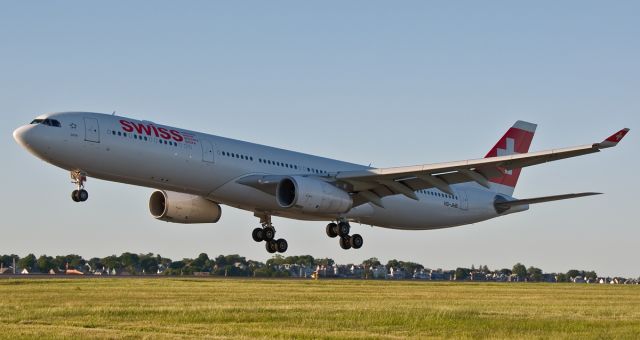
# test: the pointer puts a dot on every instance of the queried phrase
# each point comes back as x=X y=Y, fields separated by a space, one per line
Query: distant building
x=578 y=279
x=378 y=272
x=421 y=275
x=396 y=273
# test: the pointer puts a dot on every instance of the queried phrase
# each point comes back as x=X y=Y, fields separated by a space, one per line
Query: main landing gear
x=78 y=178
x=342 y=229
x=267 y=234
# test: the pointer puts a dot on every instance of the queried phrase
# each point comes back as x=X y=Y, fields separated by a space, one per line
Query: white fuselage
x=157 y=156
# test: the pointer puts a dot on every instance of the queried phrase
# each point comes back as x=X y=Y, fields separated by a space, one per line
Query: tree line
x=236 y=265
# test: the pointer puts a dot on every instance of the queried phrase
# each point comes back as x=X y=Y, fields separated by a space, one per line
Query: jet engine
x=183 y=208
x=312 y=195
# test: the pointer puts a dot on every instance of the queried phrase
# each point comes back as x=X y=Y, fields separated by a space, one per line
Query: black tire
x=343 y=228
x=83 y=195
x=345 y=243
x=282 y=245
x=332 y=230
x=74 y=196
x=271 y=246
x=356 y=241
x=257 y=235
x=268 y=233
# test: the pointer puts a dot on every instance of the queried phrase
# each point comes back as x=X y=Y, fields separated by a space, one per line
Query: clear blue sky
x=388 y=83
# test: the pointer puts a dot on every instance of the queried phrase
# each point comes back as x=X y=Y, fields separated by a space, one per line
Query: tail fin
x=516 y=140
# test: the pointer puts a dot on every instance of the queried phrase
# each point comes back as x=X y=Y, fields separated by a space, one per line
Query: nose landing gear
x=79 y=195
x=342 y=229
x=267 y=233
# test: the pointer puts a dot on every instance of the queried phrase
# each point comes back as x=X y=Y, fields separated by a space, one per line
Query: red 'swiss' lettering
x=126 y=126
x=164 y=134
x=150 y=129
x=141 y=127
x=176 y=136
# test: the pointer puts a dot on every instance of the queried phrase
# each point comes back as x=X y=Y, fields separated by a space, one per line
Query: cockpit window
x=49 y=122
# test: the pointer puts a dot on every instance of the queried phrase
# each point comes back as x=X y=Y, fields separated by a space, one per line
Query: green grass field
x=221 y=308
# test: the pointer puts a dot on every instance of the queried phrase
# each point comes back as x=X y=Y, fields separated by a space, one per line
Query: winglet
x=614 y=139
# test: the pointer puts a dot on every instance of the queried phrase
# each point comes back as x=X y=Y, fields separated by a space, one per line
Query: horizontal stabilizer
x=505 y=205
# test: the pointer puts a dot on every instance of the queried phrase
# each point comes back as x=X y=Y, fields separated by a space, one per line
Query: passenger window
x=119 y=133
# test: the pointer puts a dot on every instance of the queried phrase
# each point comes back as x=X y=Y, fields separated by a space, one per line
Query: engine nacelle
x=312 y=195
x=177 y=207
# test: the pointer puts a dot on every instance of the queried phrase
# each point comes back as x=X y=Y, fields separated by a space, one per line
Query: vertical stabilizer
x=516 y=140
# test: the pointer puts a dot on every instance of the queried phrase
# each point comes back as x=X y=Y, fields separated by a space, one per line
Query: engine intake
x=177 y=207
x=312 y=195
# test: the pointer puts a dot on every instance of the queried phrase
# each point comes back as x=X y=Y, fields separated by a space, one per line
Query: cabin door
x=207 y=151
x=91 y=130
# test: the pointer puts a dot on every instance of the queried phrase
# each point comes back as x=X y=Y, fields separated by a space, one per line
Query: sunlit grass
x=175 y=307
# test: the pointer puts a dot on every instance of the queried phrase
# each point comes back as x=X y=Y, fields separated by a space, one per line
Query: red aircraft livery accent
x=515 y=140
x=150 y=129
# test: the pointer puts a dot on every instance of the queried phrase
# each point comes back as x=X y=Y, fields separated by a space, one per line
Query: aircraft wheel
x=332 y=230
x=83 y=195
x=268 y=233
x=281 y=245
x=343 y=228
x=345 y=243
x=258 y=234
x=356 y=241
x=271 y=246
x=74 y=196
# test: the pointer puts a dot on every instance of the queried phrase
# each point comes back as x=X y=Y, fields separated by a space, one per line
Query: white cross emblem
x=510 y=150
x=619 y=136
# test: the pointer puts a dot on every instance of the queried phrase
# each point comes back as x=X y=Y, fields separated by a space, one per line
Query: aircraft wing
x=372 y=184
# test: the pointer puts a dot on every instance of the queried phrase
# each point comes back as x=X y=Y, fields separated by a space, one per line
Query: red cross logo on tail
x=515 y=141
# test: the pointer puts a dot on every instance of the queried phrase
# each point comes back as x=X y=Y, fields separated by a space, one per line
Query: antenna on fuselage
x=113 y=113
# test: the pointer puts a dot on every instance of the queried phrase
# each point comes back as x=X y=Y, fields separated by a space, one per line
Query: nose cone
x=21 y=135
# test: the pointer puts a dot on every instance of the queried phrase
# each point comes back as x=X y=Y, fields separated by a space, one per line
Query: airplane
x=194 y=173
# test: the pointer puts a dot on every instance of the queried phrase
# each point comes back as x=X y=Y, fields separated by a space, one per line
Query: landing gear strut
x=342 y=229
x=267 y=233
x=78 y=178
